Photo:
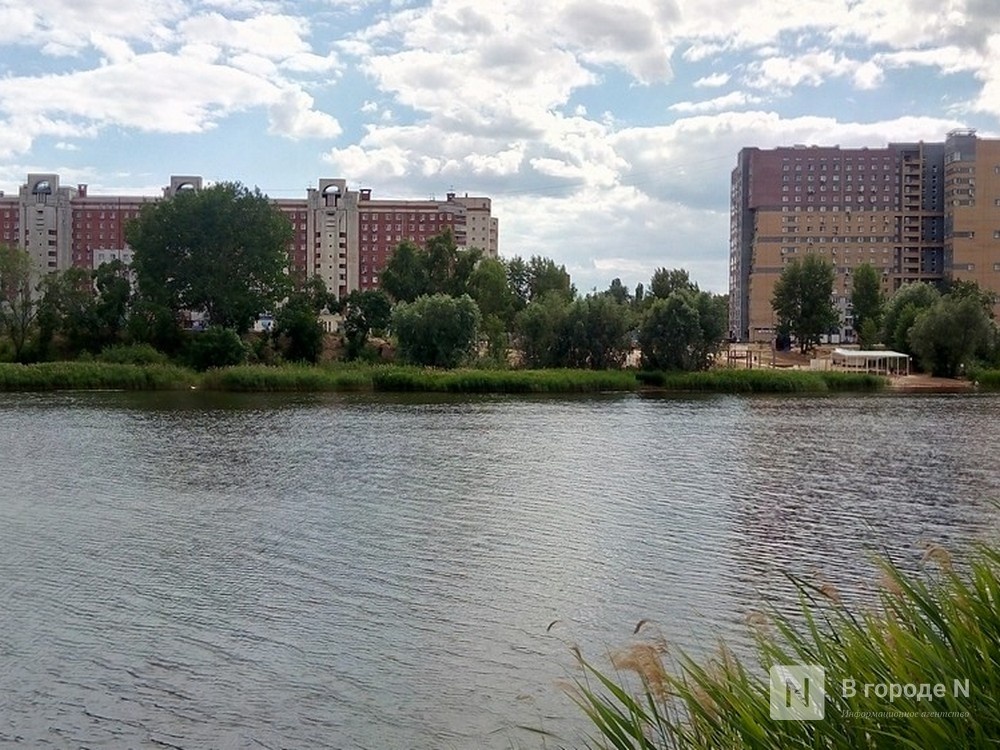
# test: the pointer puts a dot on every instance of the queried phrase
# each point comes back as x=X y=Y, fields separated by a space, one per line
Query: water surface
x=365 y=571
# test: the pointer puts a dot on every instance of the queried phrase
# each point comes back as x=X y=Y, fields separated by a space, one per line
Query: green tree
x=619 y=292
x=221 y=251
x=901 y=312
x=594 y=334
x=985 y=297
x=405 y=277
x=296 y=324
x=667 y=281
x=545 y=276
x=866 y=303
x=438 y=268
x=683 y=331
x=519 y=281
x=111 y=307
x=802 y=301
x=366 y=313
x=17 y=302
x=67 y=314
x=945 y=337
x=436 y=330
x=538 y=327
x=495 y=333
x=489 y=287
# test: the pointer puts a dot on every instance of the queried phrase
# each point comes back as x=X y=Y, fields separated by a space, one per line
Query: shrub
x=214 y=347
x=133 y=354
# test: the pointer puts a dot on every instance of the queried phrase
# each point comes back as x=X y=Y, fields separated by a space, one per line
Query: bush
x=133 y=354
x=214 y=347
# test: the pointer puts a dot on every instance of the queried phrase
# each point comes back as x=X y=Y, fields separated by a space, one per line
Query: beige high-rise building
x=915 y=211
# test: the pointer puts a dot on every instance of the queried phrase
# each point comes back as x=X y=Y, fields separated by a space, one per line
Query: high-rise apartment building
x=345 y=236
x=915 y=211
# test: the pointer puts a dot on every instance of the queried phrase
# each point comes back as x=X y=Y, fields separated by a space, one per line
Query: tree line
x=946 y=328
x=221 y=253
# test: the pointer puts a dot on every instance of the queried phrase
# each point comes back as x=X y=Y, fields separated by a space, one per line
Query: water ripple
x=225 y=571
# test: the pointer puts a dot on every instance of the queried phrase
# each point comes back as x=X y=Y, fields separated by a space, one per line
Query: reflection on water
x=379 y=572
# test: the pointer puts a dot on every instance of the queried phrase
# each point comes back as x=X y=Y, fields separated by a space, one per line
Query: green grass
x=502 y=381
x=926 y=629
x=724 y=380
x=131 y=372
x=48 y=376
x=262 y=378
x=988 y=380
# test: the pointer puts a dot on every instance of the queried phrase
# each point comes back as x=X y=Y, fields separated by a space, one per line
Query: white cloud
x=809 y=69
x=713 y=81
x=868 y=75
x=293 y=116
x=720 y=103
x=192 y=95
x=273 y=36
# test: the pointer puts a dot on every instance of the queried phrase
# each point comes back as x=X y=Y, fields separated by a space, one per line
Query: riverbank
x=50 y=376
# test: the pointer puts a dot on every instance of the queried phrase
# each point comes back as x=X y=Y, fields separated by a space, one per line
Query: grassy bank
x=762 y=381
x=502 y=381
x=398 y=378
x=933 y=630
x=51 y=376
x=263 y=379
x=988 y=380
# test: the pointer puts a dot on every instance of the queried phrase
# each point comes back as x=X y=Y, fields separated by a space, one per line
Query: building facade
x=915 y=211
x=345 y=236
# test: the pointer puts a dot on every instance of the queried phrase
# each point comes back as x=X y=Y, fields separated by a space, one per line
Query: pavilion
x=874 y=361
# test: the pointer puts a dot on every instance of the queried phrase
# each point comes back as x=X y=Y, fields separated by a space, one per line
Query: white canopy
x=872 y=360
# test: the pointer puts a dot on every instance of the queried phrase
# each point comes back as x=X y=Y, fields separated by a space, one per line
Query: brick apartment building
x=915 y=211
x=345 y=236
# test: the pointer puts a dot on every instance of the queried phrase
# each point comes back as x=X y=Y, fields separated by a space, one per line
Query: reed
x=987 y=380
x=50 y=376
x=133 y=354
x=501 y=381
x=263 y=378
x=932 y=628
x=724 y=380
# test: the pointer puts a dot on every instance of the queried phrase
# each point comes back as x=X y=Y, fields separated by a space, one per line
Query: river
x=369 y=571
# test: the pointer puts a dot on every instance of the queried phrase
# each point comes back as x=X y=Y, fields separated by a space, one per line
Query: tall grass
x=986 y=379
x=262 y=378
x=502 y=381
x=724 y=380
x=925 y=630
x=48 y=376
x=136 y=368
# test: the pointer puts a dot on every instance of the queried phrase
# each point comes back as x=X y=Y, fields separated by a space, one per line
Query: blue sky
x=605 y=131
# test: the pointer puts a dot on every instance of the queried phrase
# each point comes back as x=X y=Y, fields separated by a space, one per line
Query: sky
x=604 y=131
